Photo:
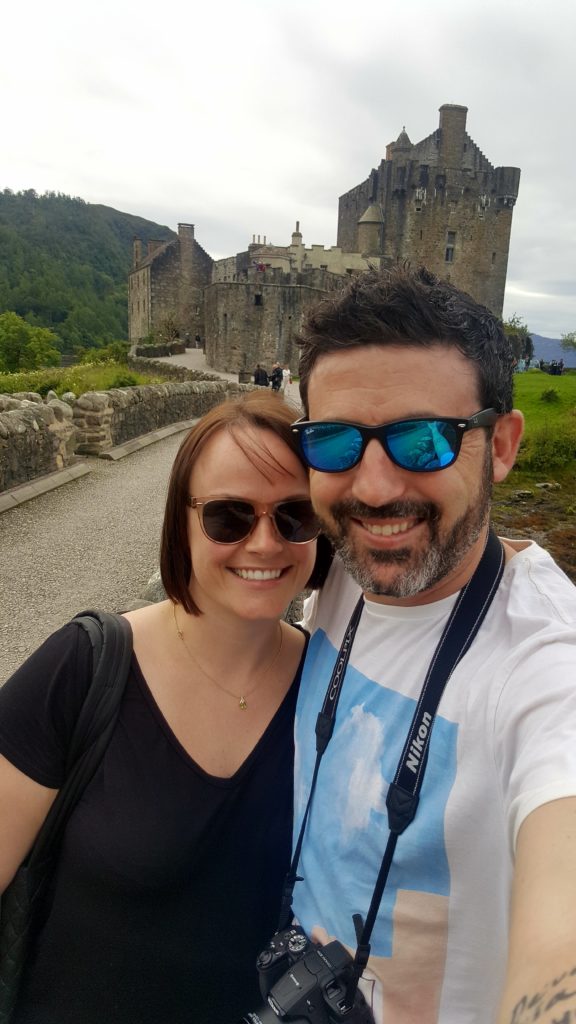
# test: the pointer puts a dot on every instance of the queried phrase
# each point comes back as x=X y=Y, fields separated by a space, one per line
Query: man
x=477 y=923
x=276 y=376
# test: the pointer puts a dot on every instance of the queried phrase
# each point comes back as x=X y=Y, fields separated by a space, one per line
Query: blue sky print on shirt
x=348 y=827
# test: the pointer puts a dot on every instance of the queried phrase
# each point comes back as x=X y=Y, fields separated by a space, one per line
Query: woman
x=169 y=876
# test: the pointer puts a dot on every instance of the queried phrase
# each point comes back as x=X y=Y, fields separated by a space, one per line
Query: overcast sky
x=244 y=117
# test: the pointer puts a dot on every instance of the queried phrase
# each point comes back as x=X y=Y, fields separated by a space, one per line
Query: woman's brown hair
x=259 y=410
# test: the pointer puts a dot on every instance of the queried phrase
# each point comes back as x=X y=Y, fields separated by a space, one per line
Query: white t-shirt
x=503 y=743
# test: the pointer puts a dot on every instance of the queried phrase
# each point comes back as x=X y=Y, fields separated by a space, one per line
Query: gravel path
x=91 y=544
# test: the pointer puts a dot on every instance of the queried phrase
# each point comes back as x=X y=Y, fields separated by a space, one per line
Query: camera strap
x=463 y=623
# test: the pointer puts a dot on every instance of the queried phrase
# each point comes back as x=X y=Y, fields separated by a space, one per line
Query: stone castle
x=438 y=202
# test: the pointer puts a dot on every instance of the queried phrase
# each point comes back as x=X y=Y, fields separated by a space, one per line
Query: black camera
x=306 y=984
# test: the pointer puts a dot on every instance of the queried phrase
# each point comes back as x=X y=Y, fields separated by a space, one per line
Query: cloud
x=254 y=115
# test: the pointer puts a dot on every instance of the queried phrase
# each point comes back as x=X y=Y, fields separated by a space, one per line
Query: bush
x=124 y=380
x=547 y=448
x=550 y=395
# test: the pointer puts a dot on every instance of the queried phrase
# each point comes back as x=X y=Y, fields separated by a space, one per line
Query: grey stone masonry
x=104 y=419
x=35 y=438
x=41 y=437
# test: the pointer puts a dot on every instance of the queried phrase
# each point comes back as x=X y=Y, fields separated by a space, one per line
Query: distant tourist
x=260 y=376
x=276 y=377
x=286 y=378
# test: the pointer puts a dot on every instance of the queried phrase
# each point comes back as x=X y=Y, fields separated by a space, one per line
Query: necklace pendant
x=242 y=704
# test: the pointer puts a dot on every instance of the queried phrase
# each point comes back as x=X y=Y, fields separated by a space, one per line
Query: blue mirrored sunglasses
x=420 y=445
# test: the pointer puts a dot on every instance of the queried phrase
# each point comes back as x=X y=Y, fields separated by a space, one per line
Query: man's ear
x=506 y=437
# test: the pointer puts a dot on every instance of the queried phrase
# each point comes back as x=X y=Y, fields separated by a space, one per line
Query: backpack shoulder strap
x=111 y=639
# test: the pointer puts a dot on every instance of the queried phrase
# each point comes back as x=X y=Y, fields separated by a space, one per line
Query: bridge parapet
x=38 y=437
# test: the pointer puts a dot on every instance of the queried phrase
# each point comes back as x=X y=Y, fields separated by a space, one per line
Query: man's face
x=405 y=537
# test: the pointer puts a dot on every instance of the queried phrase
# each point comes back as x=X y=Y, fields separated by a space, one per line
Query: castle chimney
x=136 y=252
x=452 y=132
x=186 y=231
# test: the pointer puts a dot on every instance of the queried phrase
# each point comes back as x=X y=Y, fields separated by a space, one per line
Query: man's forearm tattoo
x=555 y=1003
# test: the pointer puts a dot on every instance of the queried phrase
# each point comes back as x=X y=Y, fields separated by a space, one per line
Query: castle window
x=257 y=300
x=450 y=237
x=449 y=254
x=323 y=266
x=493 y=258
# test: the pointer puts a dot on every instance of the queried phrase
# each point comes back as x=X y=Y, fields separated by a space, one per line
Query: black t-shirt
x=168 y=882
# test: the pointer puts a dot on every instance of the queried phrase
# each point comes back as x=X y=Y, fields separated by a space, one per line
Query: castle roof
x=373 y=215
x=403 y=141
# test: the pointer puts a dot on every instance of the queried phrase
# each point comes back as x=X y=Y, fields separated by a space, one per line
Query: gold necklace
x=242 y=699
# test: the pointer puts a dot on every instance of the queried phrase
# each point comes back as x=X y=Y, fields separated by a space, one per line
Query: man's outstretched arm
x=541 y=976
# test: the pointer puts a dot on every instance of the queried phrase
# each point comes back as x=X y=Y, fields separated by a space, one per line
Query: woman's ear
x=506 y=438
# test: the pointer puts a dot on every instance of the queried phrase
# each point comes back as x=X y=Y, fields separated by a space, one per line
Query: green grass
x=549 y=407
x=79 y=378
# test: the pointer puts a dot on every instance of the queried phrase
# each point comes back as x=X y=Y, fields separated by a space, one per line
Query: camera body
x=306 y=984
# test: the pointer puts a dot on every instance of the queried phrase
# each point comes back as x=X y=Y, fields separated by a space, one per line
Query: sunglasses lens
x=227 y=522
x=331 y=447
x=296 y=521
x=422 y=445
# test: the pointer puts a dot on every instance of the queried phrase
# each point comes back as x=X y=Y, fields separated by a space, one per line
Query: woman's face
x=255 y=578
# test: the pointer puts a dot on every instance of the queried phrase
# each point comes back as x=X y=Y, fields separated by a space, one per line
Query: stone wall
x=170 y=348
x=143 y=364
x=39 y=437
x=254 y=318
x=36 y=438
x=104 y=419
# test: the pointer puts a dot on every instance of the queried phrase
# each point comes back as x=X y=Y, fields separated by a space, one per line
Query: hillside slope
x=551 y=348
x=64 y=264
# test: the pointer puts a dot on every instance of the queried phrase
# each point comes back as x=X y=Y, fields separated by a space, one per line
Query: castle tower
x=369 y=231
x=440 y=203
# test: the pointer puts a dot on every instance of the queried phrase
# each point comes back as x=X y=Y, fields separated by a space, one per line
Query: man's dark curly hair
x=410 y=307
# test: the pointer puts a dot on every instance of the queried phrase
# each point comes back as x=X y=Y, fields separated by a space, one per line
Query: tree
x=24 y=347
x=568 y=340
x=519 y=336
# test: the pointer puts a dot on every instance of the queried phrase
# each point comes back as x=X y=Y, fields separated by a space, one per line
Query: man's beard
x=424 y=569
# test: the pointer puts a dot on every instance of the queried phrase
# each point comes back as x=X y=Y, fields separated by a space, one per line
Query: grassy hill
x=64 y=264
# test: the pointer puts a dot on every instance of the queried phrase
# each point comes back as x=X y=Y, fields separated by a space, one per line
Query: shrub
x=548 y=447
x=550 y=395
x=124 y=380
